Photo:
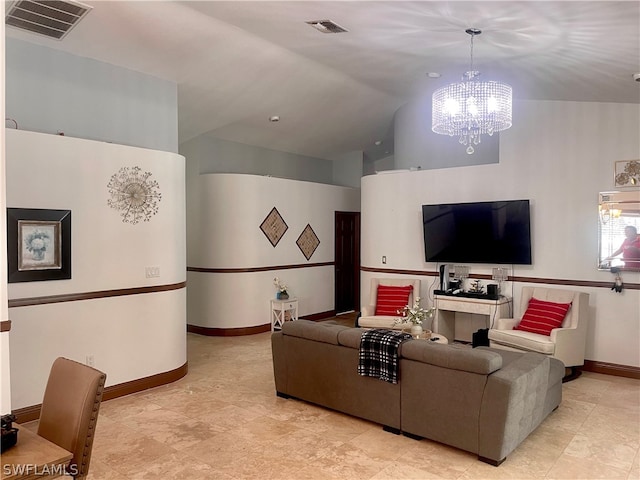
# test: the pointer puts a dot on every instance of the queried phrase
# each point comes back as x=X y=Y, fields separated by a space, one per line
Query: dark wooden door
x=347 y=261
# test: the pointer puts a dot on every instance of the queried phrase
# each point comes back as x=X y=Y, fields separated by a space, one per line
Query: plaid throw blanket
x=379 y=354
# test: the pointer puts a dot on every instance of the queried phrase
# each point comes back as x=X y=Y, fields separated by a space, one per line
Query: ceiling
x=236 y=63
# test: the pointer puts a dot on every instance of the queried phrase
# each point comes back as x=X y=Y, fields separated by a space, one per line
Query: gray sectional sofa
x=482 y=400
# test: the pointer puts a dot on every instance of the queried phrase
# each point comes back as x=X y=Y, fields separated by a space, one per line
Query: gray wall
x=213 y=155
x=49 y=91
x=417 y=146
x=348 y=169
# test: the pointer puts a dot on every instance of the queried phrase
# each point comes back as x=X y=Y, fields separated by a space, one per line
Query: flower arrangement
x=36 y=243
x=37 y=240
x=414 y=314
x=281 y=286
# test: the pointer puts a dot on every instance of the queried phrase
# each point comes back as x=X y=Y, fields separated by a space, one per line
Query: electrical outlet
x=90 y=361
x=152 y=272
x=384 y=259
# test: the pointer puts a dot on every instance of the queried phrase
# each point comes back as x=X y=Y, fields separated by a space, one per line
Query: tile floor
x=224 y=421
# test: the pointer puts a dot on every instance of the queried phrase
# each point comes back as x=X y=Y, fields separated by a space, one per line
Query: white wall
x=5 y=371
x=130 y=337
x=226 y=234
x=559 y=155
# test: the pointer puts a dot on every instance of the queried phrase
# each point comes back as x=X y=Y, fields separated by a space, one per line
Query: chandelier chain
x=471 y=60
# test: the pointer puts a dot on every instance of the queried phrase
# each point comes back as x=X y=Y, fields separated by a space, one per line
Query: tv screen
x=478 y=232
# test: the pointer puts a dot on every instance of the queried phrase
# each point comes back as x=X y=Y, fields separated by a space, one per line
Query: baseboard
x=319 y=316
x=228 y=332
x=611 y=369
x=31 y=413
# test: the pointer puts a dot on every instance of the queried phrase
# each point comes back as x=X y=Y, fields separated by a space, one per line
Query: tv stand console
x=458 y=317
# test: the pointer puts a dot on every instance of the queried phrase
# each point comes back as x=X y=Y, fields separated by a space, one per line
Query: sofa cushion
x=542 y=316
x=391 y=298
x=522 y=340
x=381 y=321
x=317 y=331
x=456 y=357
x=350 y=337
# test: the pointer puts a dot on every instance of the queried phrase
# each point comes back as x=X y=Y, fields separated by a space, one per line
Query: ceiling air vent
x=52 y=19
x=327 y=26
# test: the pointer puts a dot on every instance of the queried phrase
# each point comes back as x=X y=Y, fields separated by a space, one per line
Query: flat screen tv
x=478 y=232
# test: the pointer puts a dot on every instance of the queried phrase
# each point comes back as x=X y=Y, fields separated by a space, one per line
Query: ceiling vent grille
x=327 y=26
x=53 y=19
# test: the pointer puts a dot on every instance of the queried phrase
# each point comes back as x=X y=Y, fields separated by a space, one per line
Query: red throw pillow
x=392 y=298
x=542 y=316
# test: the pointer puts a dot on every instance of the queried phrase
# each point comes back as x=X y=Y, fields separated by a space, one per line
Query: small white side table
x=283 y=311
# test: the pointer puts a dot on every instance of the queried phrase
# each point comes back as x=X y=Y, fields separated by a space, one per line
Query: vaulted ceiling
x=236 y=63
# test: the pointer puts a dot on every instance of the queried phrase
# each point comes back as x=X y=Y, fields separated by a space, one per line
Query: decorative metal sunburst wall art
x=134 y=194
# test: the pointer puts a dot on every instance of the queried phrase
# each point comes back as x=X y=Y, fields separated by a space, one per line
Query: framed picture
x=627 y=173
x=38 y=244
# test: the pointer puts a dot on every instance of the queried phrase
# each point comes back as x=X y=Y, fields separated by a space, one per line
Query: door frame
x=355 y=274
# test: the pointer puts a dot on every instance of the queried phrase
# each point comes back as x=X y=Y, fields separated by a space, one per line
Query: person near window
x=630 y=248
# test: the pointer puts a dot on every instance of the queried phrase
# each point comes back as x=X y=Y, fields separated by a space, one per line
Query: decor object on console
x=475 y=287
x=471 y=108
x=499 y=274
x=386 y=297
x=282 y=293
x=38 y=244
x=134 y=194
x=274 y=226
x=460 y=272
x=566 y=342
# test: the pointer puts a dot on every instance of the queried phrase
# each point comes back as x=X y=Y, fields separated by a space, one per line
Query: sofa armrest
x=279 y=362
x=454 y=357
x=513 y=405
x=368 y=310
x=506 y=323
x=570 y=345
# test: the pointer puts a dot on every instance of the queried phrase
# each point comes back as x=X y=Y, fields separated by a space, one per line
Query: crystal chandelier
x=471 y=108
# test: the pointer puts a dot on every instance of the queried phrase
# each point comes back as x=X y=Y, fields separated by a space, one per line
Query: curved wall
x=232 y=263
x=130 y=336
x=559 y=155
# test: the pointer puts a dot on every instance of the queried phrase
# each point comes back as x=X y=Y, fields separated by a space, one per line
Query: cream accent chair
x=368 y=318
x=566 y=343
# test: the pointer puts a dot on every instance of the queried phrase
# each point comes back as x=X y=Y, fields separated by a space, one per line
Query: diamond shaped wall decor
x=273 y=226
x=308 y=241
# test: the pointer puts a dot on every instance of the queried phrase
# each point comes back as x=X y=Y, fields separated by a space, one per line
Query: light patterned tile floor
x=224 y=421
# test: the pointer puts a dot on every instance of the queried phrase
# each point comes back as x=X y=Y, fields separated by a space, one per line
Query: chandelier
x=607 y=212
x=471 y=108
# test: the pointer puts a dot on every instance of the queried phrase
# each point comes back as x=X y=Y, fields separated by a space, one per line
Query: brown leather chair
x=70 y=410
